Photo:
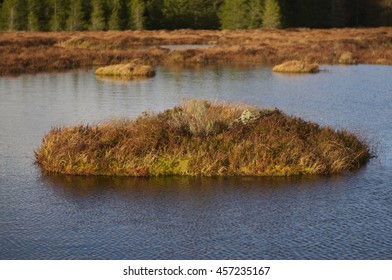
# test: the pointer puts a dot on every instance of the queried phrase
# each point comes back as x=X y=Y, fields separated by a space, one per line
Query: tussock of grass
x=201 y=138
x=296 y=66
x=346 y=58
x=129 y=70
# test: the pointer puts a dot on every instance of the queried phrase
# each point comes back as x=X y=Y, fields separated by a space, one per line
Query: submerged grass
x=199 y=138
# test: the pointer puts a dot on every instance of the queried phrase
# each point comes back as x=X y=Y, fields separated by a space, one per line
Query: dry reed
x=199 y=138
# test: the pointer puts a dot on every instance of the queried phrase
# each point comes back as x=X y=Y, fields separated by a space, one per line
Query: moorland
x=33 y=52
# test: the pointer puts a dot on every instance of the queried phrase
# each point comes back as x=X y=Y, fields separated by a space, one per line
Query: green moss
x=167 y=165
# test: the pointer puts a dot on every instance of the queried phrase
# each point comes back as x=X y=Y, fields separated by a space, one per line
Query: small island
x=200 y=138
x=297 y=66
x=126 y=71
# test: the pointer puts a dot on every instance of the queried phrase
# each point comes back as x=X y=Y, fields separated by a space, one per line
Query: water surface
x=186 y=47
x=345 y=216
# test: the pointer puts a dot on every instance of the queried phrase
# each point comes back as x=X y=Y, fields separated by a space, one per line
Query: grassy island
x=126 y=71
x=296 y=66
x=201 y=138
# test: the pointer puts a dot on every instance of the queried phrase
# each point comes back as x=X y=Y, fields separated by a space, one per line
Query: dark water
x=345 y=216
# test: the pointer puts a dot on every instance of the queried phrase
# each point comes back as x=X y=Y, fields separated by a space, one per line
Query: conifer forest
x=96 y=15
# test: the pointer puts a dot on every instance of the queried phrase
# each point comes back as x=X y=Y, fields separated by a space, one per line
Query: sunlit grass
x=128 y=70
x=200 y=138
x=296 y=66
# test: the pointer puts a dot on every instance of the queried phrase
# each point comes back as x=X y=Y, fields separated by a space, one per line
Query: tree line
x=75 y=15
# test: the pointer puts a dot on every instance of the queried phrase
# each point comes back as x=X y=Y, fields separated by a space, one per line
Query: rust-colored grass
x=199 y=138
x=127 y=71
x=25 y=52
x=347 y=58
x=296 y=66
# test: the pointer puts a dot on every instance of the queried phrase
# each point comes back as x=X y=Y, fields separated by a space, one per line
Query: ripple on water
x=64 y=217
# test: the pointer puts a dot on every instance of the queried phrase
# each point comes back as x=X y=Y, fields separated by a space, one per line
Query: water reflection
x=85 y=186
x=47 y=216
x=189 y=217
x=186 y=47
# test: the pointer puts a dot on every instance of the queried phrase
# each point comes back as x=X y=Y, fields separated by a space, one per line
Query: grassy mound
x=129 y=70
x=296 y=66
x=200 y=138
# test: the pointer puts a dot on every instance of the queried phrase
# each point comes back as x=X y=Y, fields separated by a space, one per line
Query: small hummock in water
x=128 y=70
x=296 y=66
x=199 y=138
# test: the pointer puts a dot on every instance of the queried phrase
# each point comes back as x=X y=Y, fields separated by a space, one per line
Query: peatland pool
x=343 y=216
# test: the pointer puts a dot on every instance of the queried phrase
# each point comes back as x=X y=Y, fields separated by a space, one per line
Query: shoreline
x=37 y=52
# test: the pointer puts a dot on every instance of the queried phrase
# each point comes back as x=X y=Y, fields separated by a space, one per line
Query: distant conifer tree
x=138 y=8
x=75 y=19
x=233 y=14
x=58 y=14
x=115 y=16
x=13 y=15
x=271 y=14
x=97 y=20
x=33 y=14
x=255 y=13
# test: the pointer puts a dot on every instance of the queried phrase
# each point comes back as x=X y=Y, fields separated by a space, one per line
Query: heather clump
x=201 y=138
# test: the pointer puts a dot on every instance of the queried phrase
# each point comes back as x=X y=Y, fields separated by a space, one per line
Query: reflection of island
x=199 y=138
x=119 y=80
x=91 y=186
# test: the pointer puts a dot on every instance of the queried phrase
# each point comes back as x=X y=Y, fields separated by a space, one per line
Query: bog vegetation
x=127 y=71
x=200 y=138
x=29 y=52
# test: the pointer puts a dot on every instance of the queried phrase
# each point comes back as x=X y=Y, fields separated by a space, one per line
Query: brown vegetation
x=296 y=66
x=24 y=52
x=201 y=138
x=127 y=71
x=347 y=58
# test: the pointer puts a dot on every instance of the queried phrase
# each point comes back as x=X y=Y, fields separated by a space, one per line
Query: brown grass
x=296 y=66
x=199 y=138
x=127 y=71
x=347 y=58
x=24 y=52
